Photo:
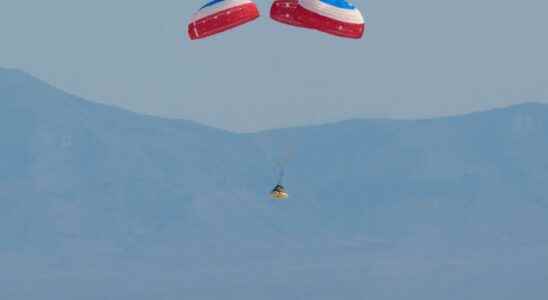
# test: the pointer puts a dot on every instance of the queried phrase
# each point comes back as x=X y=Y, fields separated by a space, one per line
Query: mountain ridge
x=98 y=194
x=16 y=75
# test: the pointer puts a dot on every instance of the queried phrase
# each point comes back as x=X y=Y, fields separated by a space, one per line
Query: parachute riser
x=281 y=176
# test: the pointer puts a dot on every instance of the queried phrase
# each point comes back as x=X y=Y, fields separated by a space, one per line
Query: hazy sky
x=419 y=58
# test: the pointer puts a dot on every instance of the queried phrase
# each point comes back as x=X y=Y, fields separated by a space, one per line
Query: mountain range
x=101 y=203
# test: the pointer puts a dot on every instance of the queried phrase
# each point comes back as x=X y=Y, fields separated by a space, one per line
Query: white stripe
x=211 y=10
x=195 y=27
x=352 y=16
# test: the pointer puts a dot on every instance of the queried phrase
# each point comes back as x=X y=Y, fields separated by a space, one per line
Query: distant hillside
x=92 y=196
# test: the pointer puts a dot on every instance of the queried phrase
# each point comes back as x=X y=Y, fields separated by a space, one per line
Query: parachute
x=220 y=15
x=336 y=17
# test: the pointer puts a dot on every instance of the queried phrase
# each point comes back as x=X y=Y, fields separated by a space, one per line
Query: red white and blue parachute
x=221 y=15
x=336 y=17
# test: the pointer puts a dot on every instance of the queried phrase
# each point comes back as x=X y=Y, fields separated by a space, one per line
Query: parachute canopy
x=336 y=17
x=284 y=11
x=221 y=15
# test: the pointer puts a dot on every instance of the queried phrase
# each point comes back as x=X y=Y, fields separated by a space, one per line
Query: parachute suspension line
x=282 y=162
x=281 y=176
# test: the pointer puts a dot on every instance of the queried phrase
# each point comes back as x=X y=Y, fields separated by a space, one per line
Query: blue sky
x=418 y=59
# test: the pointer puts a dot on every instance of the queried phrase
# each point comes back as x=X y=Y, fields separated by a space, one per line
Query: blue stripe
x=213 y=2
x=339 y=3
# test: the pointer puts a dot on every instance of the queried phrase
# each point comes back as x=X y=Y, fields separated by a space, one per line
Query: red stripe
x=222 y=21
x=328 y=25
x=283 y=11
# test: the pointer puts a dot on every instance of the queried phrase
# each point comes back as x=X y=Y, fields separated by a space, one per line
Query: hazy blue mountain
x=101 y=203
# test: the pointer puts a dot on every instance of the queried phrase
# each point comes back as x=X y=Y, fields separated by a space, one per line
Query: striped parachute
x=336 y=17
x=221 y=15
